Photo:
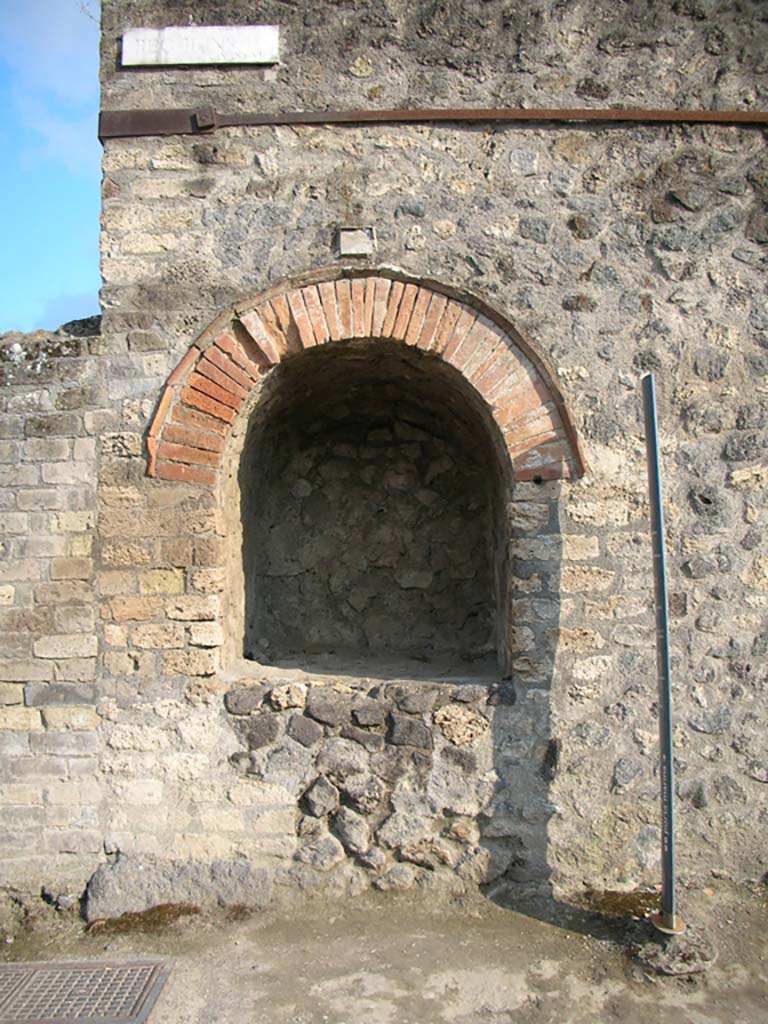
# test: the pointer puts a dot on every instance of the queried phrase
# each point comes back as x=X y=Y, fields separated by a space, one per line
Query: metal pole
x=667 y=920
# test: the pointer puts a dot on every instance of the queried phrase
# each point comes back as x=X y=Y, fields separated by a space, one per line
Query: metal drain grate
x=96 y=993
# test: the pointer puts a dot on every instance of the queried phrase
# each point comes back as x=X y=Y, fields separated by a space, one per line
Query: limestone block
x=161 y=581
x=20 y=719
x=11 y=693
x=206 y=634
x=63 y=717
x=193 y=607
x=195 y=662
x=158 y=636
x=78 y=645
x=291 y=695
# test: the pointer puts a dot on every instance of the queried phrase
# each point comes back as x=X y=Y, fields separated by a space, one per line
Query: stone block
x=135 y=609
x=73 y=793
x=11 y=693
x=7 y=594
x=71 y=568
x=63 y=717
x=161 y=581
x=65 y=744
x=193 y=607
x=290 y=695
x=196 y=662
x=160 y=636
x=73 y=694
x=75 y=670
x=25 y=671
x=77 y=645
x=129 y=885
x=20 y=719
x=206 y=634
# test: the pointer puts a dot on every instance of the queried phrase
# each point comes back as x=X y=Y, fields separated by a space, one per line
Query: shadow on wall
x=526 y=754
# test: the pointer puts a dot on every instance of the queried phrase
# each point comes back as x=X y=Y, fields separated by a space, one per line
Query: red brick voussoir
x=214 y=382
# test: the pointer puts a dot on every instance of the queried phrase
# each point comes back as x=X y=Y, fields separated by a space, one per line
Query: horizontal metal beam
x=116 y=124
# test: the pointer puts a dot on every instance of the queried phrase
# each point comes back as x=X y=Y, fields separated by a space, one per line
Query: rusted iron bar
x=115 y=124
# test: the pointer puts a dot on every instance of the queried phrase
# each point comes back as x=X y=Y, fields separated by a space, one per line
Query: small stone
x=321 y=798
x=361 y=67
x=352 y=829
x=400 y=877
x=304 y=730
x=524 y=162
x=243 y=700
x=292 y=695
x=409 y=732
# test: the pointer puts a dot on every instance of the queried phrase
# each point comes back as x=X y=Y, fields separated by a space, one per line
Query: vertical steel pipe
x=667 y=920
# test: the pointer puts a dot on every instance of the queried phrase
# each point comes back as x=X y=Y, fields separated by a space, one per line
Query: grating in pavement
x=94 y=993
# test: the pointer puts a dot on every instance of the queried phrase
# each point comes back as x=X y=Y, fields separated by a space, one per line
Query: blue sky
x=50 y=167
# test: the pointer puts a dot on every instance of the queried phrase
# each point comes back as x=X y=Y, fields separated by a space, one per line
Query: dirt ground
x=404 y=959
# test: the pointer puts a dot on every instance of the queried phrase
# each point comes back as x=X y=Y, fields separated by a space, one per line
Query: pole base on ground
x=669 y=924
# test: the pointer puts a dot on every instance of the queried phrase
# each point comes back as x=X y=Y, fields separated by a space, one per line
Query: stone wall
x=131 y=725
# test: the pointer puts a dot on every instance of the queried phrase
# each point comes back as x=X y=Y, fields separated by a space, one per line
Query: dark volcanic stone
x=409 y=732
x=244 y=699
x=372 y=741
x=327 y=707
x=371 y=713
x=260 y=731
x=304 y=730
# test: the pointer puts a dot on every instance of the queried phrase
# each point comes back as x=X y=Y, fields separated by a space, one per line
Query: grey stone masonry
x=324 y=571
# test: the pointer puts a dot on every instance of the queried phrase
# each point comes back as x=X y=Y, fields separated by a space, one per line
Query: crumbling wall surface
x=614 y=250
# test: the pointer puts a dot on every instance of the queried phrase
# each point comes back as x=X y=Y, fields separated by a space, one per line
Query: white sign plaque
x=201 y=44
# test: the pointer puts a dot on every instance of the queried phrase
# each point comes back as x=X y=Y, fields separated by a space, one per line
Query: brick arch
x=210 y=385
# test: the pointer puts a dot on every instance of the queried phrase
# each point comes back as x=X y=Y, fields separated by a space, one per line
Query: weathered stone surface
x=131 y=885
x=371 y=741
